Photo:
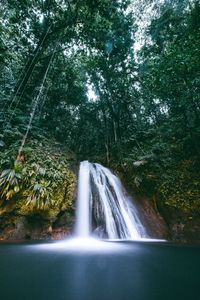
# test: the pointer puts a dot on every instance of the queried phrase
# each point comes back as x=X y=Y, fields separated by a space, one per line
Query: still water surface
x=89 y=270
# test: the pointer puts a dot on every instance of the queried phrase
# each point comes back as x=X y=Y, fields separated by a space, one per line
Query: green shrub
x=10 y=182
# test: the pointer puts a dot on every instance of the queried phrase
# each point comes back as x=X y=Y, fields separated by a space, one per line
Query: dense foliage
x=42 y=181
x=144 y=117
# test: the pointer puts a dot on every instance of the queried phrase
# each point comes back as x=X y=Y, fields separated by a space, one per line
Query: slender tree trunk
x=31 y=63
x=106 y=135
x=107 y=154
x=115 y=131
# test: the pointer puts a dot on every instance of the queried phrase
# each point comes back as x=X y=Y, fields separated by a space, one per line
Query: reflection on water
x=99 y=270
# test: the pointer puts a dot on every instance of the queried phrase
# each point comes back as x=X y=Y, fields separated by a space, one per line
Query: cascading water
x=82 y=228
x=101 y=194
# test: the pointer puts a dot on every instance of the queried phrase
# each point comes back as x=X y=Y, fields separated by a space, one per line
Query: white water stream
x=101 y=197
x=83 y=224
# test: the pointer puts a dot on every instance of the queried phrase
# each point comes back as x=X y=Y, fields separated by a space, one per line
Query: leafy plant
x=40 y=195
x=10 y=182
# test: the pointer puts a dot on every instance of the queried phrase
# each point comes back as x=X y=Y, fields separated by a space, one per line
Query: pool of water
x=94 y=270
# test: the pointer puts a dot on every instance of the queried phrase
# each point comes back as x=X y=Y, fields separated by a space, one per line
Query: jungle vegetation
x=105 y=80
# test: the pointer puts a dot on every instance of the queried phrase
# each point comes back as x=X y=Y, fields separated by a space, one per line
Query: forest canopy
x=111 y=81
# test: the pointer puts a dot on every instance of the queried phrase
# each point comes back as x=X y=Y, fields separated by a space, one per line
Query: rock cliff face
x=34 y=227
x=154 y=223
x=169 y=223
x=183 y=227
x=170 y=204
x=175 y=226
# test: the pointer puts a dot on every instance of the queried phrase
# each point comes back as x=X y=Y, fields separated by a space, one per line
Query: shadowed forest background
x=115 y=82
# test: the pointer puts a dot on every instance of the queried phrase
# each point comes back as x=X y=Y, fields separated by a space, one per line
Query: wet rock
x=34 y=227
x=20 y=230
x=177 y=231
x=64 y=218
x=154 y=223
x=183 y=227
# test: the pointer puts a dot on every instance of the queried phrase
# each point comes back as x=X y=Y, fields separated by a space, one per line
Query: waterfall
x=82 y=228
x=102 y=196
